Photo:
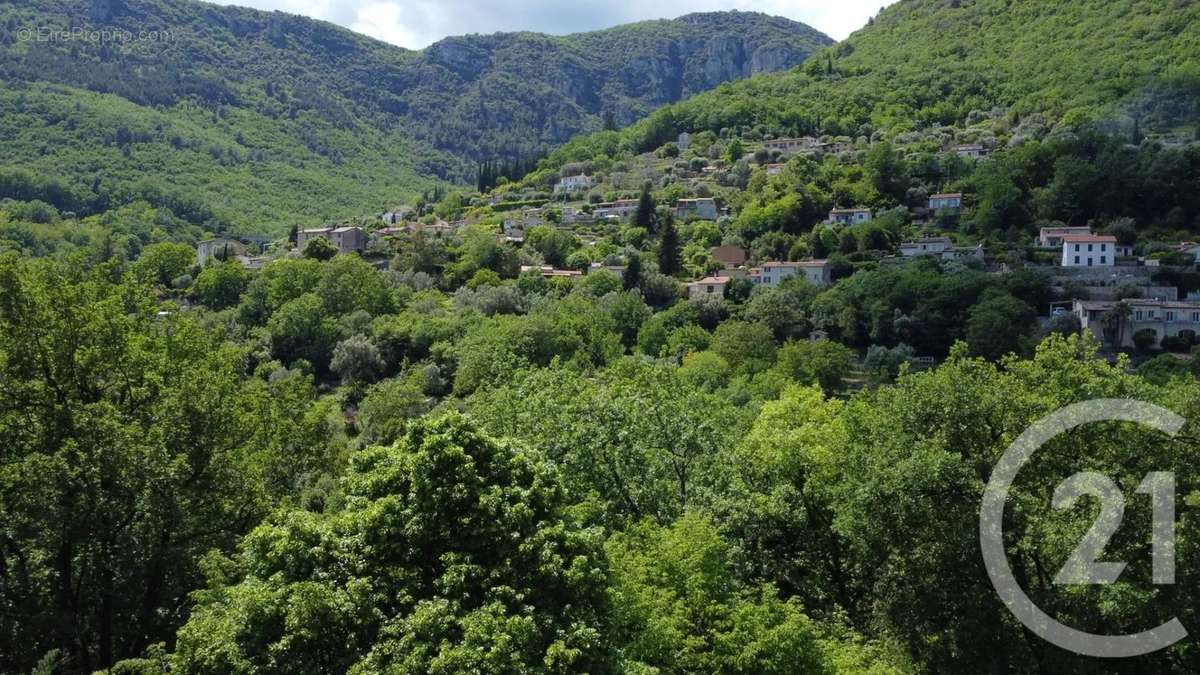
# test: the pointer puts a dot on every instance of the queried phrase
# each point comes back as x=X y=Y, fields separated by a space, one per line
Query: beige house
x=305 y=236
x=1165 y=318
x=708 y=286
x=1051 y=237
x=345 y=239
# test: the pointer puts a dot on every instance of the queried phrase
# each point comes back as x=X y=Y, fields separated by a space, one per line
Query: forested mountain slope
x=922 y=63
x=254 y=120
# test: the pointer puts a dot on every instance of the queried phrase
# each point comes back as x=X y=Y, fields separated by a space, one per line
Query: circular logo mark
x=991 y=528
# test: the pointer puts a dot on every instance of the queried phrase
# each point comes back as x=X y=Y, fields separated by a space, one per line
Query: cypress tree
x=645 y=215
x=668 y=247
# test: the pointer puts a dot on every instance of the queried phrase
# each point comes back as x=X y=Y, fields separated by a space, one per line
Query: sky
x=418 y=23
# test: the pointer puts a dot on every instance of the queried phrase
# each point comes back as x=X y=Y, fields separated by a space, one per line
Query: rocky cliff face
x=550 y=89
x=462 y=99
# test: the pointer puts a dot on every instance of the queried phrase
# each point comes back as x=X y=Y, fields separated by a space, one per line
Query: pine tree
x=610 y=121
x=668 y=247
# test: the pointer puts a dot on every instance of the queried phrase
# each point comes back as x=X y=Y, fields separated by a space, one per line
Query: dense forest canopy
x=925 y=63
x=494 y=431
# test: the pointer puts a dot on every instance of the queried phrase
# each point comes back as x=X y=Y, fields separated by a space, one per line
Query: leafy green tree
x=782 y=308
x=678 y=607
x=300 y=329
x=349 y=283
x=821 y=362
x=734 y=151
x=907 y=500
x=132 y=447
x=999 y=324
x=628 y=313
x=357 y=361
x=748 y=347
x=453 y=553
x=162 y=263
x=635 y=434
x=387 y=408
x=220 y=285
x=319 y=248
x=554 y=244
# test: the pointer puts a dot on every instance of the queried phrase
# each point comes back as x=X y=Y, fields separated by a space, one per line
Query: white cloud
x=418 y=23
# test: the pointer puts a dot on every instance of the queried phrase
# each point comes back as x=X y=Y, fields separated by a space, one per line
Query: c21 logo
x=1083 y=566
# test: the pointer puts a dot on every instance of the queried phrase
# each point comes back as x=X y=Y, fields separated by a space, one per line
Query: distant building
x=345 y=239
x=622 y=208
x=385 y=232
x=850 y=216
x=704 y=208
x=971 y=151
x=773 y=273
x=1051 y=237
x=818 y=272
x=934 y=246
x=1089 y=250
x=1190 y=248
x=252 y=262
x=397 y=216
x=684 y=140
x=949 y=201
x=730 y=256
x=708 y=286
x=1164 y=318
x=304 y=236
x=618 y=270
x=574 y=183
x=349 y=239
x=549 y=272
x=941 y=248
x=789 y=146
x=221 y=248
x=775 y=169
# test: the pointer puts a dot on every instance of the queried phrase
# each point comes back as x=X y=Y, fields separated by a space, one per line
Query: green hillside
x=234 y=118
x=924 y=63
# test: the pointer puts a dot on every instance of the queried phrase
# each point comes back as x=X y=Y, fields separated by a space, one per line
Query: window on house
x=1076 y=260
x=1089 y=248
x=1137 y=316
x=1170 y=316
x=1103 y=260
x=1076 y=248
